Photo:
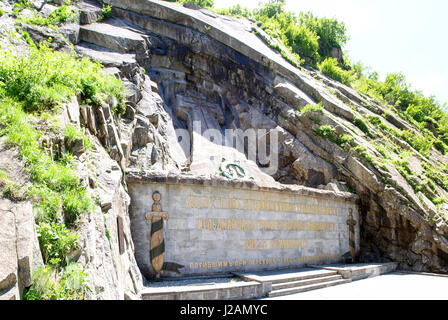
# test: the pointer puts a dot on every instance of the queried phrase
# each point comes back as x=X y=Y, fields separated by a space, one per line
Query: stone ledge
x=146 y=177
x=360 y=271
x=242 y=290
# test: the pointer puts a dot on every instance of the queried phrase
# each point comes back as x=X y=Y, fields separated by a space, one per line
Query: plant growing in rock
x=56 y=242
x=331 y=68
x=50 y=284
x=61 y=15
x=312 y=108
x=327 y=132
x=45 y=79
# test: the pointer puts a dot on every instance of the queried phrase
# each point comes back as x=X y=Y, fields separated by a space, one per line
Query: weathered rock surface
x=19 y=248
x=215 y=71
x=187 y=70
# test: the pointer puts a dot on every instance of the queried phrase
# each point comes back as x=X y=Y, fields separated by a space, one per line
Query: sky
x=408 y=36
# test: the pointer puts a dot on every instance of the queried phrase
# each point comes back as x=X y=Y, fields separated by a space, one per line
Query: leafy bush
x=56 y=242
x=49 y=284
x=61 y=15
x=305 y=35
x=331 y=68
x=201 y=3
x=331 y=32
x=45 y=79
x=346 y=141
x=107 y=11
x=312 y=108
x=327 y=132
x=360 y=123
x=421 y=144
x=55 y=183
x=305 y=40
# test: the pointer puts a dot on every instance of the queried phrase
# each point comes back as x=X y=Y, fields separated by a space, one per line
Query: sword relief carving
x=351 y=226
x=157 y=247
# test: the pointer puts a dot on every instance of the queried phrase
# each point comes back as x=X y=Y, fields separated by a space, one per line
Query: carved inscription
x=216 y=224
x=258 y=205
x=293 y=249
x=265 y=261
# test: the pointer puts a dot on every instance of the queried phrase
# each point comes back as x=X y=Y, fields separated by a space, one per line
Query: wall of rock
x=181 y=65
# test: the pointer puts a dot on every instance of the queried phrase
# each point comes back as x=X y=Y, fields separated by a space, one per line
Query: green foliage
x=362 y=151
x=14 y=192
x=312 y=108
x=56 y=242
x=331 y=68
x=55 y=183
x=201 y=3
x=412 y=106
x=421 y=144
x=327 y=132
x=305 y=36
x=361 y=124
x=346 y=142
x=331 y=32
x=75 y=203
x=303 y=41
x=61 y=15
x=19 y=5
x=236 y=11
x=50 y=284
x=72 y=134
x=45 y=79
x=107 y=11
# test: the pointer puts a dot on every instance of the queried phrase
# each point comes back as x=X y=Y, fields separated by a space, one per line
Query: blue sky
x=408 y=36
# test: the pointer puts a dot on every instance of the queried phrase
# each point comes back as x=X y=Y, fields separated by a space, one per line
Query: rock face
x=19 y=248
x=214 y=71
x=188 y=71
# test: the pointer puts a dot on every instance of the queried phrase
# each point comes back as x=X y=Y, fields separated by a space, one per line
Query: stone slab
x=285 y=275
x=218 y=291
x=360 y=271
x=217 y=228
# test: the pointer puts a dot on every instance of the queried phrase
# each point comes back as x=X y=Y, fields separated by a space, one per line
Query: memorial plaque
x=214 y=229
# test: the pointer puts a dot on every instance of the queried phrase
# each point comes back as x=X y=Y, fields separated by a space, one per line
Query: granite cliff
x=182 y=66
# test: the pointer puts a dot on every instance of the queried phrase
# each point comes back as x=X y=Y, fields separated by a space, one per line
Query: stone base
x=360 y=271
x=222 y=291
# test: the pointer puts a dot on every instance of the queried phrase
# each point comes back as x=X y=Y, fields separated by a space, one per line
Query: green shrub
x=312 y=108
x=346 y=141
x=441 y=146
x=107 y=11
x=361 y=124
x=201 y=3
x=74 y=203
x=45 y=79
x=421 y=144
x=305 y=40
x=331 y=32
x=56 y=242
x=327 y=132
x=19 y=5
x=49 y=284
x=61 y=15
x=331 y=68
x=53 y=180
x=72 y=134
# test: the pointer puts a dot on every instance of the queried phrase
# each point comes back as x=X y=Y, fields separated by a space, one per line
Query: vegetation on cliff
x=33 y=89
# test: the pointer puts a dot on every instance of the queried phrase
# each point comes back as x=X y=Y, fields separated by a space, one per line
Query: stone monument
x=218 y=225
